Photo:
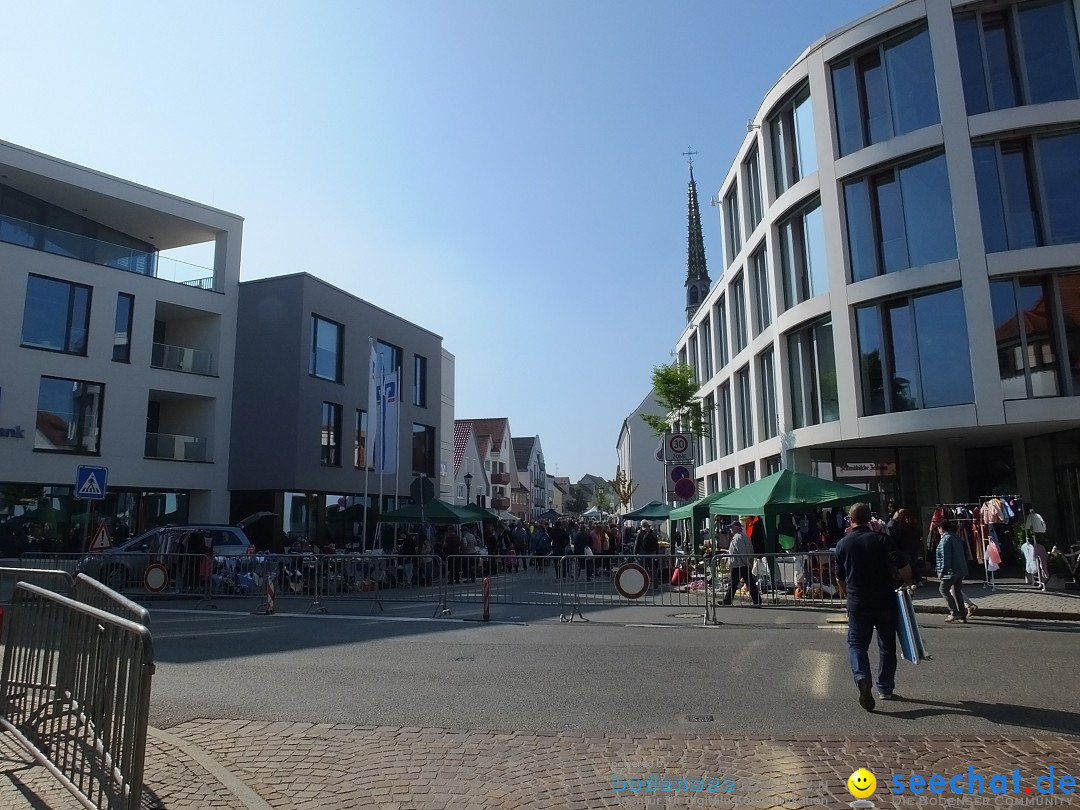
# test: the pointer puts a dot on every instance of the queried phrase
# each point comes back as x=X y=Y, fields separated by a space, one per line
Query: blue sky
x=505 y=174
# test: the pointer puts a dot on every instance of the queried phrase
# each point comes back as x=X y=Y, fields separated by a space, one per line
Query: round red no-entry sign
x=156 y=577
x=631 y=581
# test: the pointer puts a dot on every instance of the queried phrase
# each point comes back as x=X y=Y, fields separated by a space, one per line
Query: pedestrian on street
x=952 y=568
x=865 y=561
x=741 y=563
x=560 y=542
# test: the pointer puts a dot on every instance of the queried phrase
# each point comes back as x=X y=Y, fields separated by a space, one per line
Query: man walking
x=741 y=563
x=865 y=561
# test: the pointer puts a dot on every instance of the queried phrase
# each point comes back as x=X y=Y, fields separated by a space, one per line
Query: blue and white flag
x=386 y=460
x=374 y=381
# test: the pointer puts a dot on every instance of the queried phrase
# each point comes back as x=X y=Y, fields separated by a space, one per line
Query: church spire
x=697 y=273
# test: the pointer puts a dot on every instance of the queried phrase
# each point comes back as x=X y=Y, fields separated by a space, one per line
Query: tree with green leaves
x=676 y=392
x=577 y=501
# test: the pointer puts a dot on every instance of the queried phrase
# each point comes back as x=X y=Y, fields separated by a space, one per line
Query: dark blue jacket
x=866 y=561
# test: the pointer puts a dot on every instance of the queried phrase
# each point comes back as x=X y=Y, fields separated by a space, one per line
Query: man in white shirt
x=741 y=562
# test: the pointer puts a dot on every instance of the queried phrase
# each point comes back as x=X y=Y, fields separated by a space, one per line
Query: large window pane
x=762 y=298
x=781 y=159
x=423 y=450
x=890 y=207
x=738 y=302
x=1007 y=328
x=804 y=135
x=56 y=315
x=826 y=373
x=903 y=357
x=991 y=203
x=1059 y=164
x=330 y=435
x=871 y=359
x=69 y=416
x=875 y=98
x=326 y=341
x=911 y=83
x=360 y=458
x=1038 y=322
x=1048 y=34
x=818 y=268
x=928 y=212
x=1000 y=61
x=972 y=72
x=799 y=370
x=943 y=349
x=125 y=307
x=862 y=245
x=746 y=410
x=753 y=189
x=419 y=381
x=732 y=224
x=720 y=309
x=848 y=115
x=1069 y=293
x=1023 y=222
x=767 y=395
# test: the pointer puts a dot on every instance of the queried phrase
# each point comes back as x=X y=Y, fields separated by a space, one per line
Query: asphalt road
x=763 y=672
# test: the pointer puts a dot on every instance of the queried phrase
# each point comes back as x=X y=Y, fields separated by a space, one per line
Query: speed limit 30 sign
x=678 y=447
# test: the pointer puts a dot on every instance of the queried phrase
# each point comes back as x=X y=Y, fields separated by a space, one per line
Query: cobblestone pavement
x=307 y=766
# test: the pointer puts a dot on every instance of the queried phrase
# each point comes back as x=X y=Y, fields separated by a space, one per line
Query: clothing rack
x=989 y=580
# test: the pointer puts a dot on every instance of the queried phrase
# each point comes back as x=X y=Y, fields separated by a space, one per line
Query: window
x=326 y=349
x=1026 y=54
x=885 y=92
x=331 y=435
x=728 y=477
x=802 y=256
x=762 y=297
x=771 y=465
x=727 y=438
x=812 y=366
x=56 y=315
x=755 y=208
x=746 y=408
x=419 y=396
x=712 y=484
x=900 y=217
x=360 y=457
x=423 y=450
x=732 y=232
x=720 y=316
x=706 y=347
x=767 y=394
x=748 y=473
x=709 y=439
x=69 y=416
x=794 y=146
x=738 y=314
x=389 y=356
x=125 y=309
x=692 y=354
x=1037 y=325
x=919 y=347
x=1027 y=191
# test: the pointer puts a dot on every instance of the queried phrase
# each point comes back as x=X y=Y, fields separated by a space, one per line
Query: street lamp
x=468 y=488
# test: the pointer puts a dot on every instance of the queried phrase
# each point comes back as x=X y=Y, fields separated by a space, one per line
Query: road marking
x=437 y=620
x=818 y=666
x=194 y=632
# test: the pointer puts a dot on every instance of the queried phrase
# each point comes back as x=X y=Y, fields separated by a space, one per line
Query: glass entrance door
x=1068 y=492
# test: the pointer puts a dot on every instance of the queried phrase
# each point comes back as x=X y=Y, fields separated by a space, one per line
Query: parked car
x=123 y=567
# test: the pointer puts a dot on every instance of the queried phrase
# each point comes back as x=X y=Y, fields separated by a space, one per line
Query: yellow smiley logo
x=861 y=784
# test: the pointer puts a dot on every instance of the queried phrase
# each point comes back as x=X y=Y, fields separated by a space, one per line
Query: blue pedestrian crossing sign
x=90 y=483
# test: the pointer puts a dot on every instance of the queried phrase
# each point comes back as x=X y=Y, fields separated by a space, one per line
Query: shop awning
x=435 y=511
x=650 y=511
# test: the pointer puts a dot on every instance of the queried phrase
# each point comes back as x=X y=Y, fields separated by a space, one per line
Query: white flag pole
x=369 y=443
x=397 y=429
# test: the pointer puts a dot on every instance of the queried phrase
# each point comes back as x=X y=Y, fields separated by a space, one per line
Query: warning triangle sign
x=90 y=486
x=102 y=541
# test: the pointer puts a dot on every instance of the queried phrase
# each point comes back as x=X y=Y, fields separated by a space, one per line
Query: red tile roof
x=495 y=428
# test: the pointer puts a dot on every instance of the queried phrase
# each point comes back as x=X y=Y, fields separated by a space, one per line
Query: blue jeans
x=861 y=626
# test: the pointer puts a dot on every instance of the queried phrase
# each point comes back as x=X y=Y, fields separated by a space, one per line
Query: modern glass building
x=899 y=307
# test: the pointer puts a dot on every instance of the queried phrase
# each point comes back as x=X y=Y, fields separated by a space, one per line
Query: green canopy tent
x=436 y=511
x=650 y=511
x=479 y=513
x=698 y=510
x=784 y=493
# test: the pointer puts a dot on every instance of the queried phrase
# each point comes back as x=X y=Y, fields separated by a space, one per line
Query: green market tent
x=650 y=511
x=786 y=492
x=435 y=511
x=698 y=510
x=479 y=513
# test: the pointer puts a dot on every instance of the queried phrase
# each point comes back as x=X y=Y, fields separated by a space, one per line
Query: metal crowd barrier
x=75 y=691
x=673 y=581
x=91 y=592
x=512 y=579
x=54 y=580
x=802 y=579
x=379 y=578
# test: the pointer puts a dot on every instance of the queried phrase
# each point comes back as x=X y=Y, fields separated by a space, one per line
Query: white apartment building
x=112 y=354
x=899 y=307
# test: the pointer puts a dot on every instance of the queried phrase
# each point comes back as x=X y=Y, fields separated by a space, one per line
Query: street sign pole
x=86 y=526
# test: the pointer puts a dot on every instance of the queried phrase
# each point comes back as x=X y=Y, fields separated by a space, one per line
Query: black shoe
x=866 y=697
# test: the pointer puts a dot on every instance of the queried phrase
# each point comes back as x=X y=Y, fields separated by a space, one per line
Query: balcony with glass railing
x=31 y=235
x=172 y=447
x=181 y=358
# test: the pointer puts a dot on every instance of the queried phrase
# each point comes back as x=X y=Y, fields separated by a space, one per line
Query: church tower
x=697 y=274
